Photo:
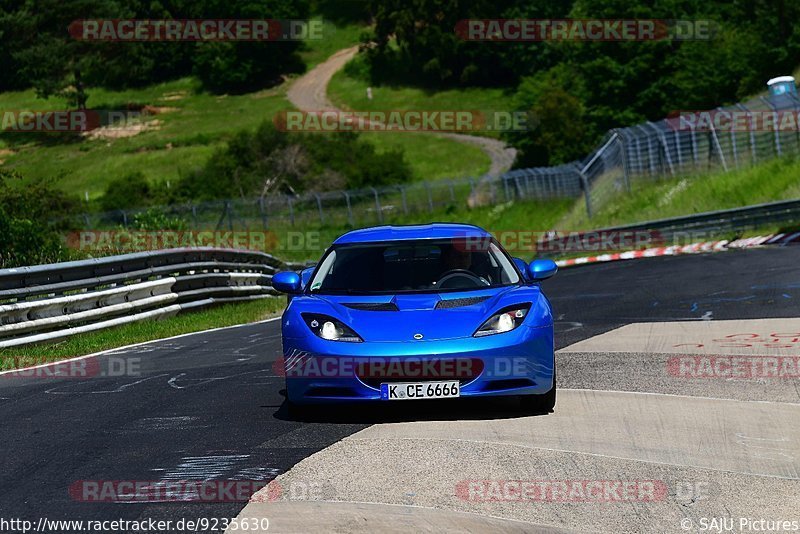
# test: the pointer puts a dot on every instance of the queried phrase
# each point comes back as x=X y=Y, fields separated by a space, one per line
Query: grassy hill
x=185 y=126
x=349 y=92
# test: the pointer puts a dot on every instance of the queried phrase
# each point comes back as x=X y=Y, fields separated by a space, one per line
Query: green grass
x=186 y=135
x=225 y=315
x=351 y=93
x=432 y=157
x=777 y=179
x=182 y=139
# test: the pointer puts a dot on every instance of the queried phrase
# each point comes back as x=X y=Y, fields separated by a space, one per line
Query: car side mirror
x=523 y=268
x=287 y=282
x=540 y=270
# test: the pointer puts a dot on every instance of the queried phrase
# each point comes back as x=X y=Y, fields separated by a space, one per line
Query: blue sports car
x=397 y=313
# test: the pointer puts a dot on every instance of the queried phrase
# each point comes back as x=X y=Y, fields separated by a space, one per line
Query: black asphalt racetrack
x=210 y=405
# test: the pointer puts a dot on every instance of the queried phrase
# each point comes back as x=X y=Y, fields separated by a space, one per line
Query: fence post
x=719 y=147
x=430 y=198
x=777 y=129
x=403 y=198
x=650 y=159
x=262 y=212
x=753 y=152
x=291 y=210
x=319 y=208
x=638 y=154
x=795 y=102
x=124 y=219
x=377 y=205
x=677 y=139
x=663 y=140
x=452 y=193
x=586 y=193
x=349 y=210
x=194 y=215
x=624 y=157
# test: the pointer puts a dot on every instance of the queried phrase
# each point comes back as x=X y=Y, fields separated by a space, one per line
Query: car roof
x=415 y=231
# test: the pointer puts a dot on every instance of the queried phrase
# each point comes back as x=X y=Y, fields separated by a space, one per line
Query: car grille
x=372 y=306
x=457 y=303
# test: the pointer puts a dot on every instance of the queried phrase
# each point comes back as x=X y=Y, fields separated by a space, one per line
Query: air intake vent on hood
x=372 y=306
x=457 y=303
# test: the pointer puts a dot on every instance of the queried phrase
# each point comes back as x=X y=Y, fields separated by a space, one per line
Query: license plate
x=420 y=390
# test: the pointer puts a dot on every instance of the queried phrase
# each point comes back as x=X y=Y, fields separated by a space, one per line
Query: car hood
x=436 y=316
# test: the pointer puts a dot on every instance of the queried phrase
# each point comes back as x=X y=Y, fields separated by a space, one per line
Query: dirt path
x=309 y=93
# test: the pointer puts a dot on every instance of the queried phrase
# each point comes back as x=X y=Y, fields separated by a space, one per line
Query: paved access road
x=209 y=407
x=309 y=93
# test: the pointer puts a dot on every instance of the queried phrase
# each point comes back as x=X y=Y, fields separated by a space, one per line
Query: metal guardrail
x=736 y=219
x=712 y=223
x=55 y=301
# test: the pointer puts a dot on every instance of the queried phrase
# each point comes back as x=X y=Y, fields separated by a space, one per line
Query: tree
x=561 y=131
x=36 y=50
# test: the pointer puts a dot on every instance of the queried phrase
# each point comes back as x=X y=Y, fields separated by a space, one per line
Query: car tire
x=544 y=403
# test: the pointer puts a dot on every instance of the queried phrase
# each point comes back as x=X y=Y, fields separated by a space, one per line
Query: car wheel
x=543 y=403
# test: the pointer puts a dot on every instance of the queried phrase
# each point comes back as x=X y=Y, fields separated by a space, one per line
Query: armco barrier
x=55 y=301
x=682 y=230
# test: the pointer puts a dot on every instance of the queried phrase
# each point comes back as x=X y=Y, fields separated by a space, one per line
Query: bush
x=122 y=192
x=225 y=67
x=27 y=235
x=25 y=242
x=269 y=160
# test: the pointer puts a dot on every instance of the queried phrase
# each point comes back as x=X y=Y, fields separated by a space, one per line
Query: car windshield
x=417 y=266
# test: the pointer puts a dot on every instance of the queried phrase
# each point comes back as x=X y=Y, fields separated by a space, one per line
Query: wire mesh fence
x=371 y=206
x=691 y=143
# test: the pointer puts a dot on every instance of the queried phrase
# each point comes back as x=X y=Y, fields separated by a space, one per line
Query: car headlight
x=505 y=320
x=329 y=328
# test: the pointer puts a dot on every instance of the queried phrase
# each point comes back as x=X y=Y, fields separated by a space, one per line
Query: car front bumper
x=520 y=362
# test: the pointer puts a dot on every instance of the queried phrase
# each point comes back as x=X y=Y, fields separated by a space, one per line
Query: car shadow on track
x=398 y=412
